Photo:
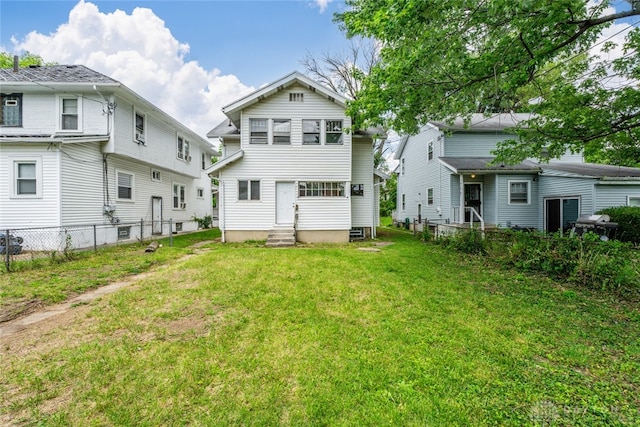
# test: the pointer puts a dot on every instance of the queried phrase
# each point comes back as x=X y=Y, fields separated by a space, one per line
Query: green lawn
x=332 y=335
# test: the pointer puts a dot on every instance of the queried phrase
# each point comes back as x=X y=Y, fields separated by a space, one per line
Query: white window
x=70 y=109
x=320 y=189
x=200 y=193
x=125 y=182
x=402 y=166
x=357 y=189
x=139 y=126
x=311 y=131
x=11 y=110
x=519 y=192
x=281 y=131
x=249 y=190
x=26 y=178
x=179 y=196
x=333 y=130
x=183 y=149
x=429 y=196
x=430 y=151
x=259 y=131
x=296 y=97
x=633 y=200
x=403 y=204
x=156 y=175
x=124 y=233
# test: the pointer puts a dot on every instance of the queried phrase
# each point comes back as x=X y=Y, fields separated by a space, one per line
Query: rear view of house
x=291 y=164
x=77 y=147
x=447 y=175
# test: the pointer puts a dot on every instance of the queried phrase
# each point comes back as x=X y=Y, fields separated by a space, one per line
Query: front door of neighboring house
x=472 y=199
x=285 y=203
x=560 y=213
x=156 y=215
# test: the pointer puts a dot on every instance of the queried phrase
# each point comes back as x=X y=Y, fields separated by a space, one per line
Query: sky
x=190 y=58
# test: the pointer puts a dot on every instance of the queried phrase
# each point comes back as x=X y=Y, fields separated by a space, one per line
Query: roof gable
x=233 y=110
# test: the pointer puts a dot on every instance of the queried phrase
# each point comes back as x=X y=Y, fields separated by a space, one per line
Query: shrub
x=205 y=222
x=467 y=241
x=628 y=219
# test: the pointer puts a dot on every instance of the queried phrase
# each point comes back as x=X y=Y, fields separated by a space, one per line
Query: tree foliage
x=446 y=59
x=24 y=60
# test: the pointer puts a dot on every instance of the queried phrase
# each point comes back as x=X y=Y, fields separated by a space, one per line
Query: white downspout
x=461 y=210
x=221 y=213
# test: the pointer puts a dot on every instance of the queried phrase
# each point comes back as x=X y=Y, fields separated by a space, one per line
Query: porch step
x=281 y=237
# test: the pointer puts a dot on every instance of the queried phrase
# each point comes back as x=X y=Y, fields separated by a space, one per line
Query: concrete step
x=281 y=237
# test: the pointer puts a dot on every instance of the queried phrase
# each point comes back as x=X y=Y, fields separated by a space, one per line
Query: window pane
x=140 y=123
x=311 y=126
x=258 y=125
x=634 y=201
x=26 y=186
x=311 y=138
x=255 y=190
x=125 y=181
x=243 y=190
x=69 y=106
x=69 y=122
x=26 y=170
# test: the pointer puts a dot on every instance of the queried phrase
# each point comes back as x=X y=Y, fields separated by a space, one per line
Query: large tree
x=443 y=59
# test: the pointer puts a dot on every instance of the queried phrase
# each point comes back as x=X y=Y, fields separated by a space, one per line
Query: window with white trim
x=430 y=196
x=11 y=110
x=70 y=113
x=519 y=192
x=333 y=129
x=26 y=176
x=281 y=131
x=125 y=182
x=402 y=166
x=156 y=175
x=179 y=196
x=183 y=149
x=357 y=189
x=403 y=202
x=633 y=200
x=430 y=151
x=139 y=128
x=248 y=190
x=258 y=131
x=320 y=189
x=200 y=193
x=311 y=132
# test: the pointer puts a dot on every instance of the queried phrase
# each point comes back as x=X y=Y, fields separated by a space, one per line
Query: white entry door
x=285 y=201
x=156 y=214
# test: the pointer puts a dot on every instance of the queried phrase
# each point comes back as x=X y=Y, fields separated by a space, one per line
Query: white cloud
x=322 y=4
x=140 y=51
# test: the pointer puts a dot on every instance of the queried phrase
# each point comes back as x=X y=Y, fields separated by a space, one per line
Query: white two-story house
x=77 y=147
x=290 y=160
x=446 y=175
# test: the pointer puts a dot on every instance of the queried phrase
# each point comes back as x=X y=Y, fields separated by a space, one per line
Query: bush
x=609 y=266
x=628 y=219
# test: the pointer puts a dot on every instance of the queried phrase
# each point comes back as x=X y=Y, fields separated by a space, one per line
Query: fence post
x=141 y=230
x=7 y=248
x=171 y=232
x=95 y=239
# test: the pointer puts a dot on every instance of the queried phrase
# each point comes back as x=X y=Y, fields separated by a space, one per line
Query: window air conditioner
x=183 y=205
x=140 y=138
x=188 y=158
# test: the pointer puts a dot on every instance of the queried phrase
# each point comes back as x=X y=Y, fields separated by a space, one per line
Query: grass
x=49 y=280
x=331 y=335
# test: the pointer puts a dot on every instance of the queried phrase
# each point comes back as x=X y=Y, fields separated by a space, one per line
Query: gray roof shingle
x=54 y=74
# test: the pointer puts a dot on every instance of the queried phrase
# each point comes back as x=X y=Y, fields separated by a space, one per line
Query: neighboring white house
x=77 y=147
x=291 y=161
x=446 y=175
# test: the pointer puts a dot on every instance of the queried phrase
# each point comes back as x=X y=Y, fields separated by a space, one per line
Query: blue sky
x=213 y=50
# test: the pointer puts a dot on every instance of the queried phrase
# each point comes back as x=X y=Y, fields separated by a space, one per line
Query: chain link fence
x=24 y=244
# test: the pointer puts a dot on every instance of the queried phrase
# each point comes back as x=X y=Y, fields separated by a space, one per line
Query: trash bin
x=13 y=244
x=407 y=221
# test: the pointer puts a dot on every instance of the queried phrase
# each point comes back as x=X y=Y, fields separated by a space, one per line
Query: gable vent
x=296 y=97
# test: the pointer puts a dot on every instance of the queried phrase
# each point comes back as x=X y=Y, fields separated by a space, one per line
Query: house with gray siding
x=77 y=147
x=291 y=165
x=446 y=175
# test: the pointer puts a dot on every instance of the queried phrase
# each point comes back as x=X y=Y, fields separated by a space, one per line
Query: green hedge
x=628 y=219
